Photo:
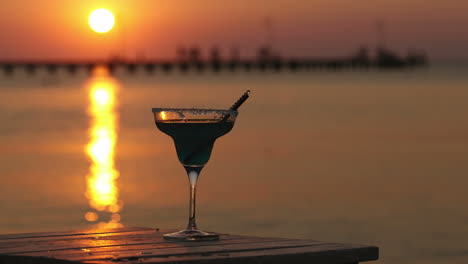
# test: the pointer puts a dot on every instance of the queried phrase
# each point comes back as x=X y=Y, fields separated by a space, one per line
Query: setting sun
x=101 y=20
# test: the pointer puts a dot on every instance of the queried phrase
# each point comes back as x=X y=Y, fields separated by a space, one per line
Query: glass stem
x=193 y=174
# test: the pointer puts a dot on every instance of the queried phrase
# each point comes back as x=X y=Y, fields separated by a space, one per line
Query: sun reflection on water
x=102 y=191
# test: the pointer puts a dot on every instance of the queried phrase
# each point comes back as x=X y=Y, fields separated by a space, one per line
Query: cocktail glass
x=194 y=132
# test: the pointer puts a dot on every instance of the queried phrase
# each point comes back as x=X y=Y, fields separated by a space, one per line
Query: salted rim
x=156 y=110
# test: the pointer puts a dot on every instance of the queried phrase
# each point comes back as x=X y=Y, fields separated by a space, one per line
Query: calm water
x=363 y=157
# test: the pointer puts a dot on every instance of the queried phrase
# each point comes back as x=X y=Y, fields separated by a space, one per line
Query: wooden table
x=146 y=245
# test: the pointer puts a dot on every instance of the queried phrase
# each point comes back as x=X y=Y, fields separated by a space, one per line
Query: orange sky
x=58 y=28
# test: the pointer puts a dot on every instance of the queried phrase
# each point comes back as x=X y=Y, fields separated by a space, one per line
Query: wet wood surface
x=146 y=245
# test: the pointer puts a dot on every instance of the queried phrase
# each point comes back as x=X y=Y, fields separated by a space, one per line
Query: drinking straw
x=241 y=100
x=237 y=104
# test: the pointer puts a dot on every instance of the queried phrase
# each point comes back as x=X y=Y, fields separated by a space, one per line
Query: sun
x=101 y=20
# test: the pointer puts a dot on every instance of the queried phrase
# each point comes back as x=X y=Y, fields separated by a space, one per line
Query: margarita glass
x=194 y=132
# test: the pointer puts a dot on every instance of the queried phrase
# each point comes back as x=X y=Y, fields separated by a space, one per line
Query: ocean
x=368 y=157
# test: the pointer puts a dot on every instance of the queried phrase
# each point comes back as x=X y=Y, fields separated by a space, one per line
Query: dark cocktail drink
x=194 y=140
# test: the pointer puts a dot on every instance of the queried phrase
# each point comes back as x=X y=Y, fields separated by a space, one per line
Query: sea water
x=365 y=157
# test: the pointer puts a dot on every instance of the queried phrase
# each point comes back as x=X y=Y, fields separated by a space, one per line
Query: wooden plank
x=51 y=242
x=131 y=245
x=126 y=242
x=109 y=240
x=64 y=239
x=194 y=251
x=170 y=250
x=325 y=254
x=32 y=260
x=73 y=233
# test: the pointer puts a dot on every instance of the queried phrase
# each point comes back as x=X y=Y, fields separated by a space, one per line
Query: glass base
x=191 y=235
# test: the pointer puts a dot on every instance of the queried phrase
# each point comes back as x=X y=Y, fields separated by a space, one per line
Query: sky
x=58 y=29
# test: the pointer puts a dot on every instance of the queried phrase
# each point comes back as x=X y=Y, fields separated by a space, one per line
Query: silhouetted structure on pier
x=266 y=60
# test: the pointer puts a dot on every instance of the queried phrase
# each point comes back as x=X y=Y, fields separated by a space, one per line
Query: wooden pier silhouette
x=190 y=61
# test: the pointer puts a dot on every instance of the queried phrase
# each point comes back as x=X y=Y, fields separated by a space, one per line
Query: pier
x=146 y=245
x=191 y=61
x=153 y=67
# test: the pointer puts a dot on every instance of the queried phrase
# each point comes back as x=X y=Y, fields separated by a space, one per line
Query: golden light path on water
x=102 y=191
